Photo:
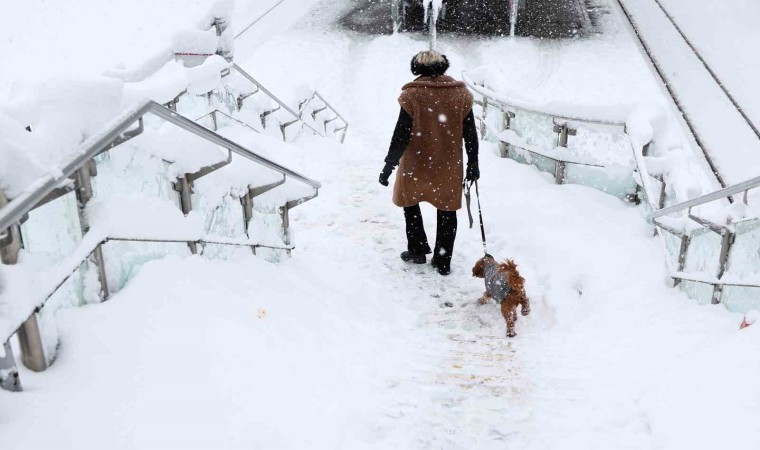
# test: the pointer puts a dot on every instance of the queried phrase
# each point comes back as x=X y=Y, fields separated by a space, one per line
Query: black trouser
x=444 y=238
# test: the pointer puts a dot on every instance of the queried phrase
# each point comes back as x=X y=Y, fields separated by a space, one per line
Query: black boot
x=412 y=258
x=442 y=265
x=417 y=244
x=444 y=241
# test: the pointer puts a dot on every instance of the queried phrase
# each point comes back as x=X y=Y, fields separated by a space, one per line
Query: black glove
x=385 y=174
x=473 y=172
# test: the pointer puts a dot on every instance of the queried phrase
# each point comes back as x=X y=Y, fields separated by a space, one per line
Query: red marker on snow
x=744 y=323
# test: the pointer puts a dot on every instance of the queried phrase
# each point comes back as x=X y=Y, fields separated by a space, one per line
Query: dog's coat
x=505 y=284
x=497 y=285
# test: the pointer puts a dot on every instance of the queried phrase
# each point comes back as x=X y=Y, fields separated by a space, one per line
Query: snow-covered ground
x=345 y=346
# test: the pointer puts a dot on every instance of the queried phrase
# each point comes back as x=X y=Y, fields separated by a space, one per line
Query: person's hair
x=429 y=64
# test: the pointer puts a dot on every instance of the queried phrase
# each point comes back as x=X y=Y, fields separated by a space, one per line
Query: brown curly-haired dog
x=505 y=285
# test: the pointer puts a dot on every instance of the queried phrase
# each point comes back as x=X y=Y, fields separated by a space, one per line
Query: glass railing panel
x=207 y=121
x=193 y=106
x=744 y=259
x=52 y=232
x=123 y=259
x=223 y=214
x=672 y=246
x=741 y=299
x=744 y=265
x=224 y=99
x=127 y=175
x=604 y=148
x=266 y=227
x=494 y=123
x=619 y=183
x=518 y=154
x=50 y=235
x=81 y=288
x=703 y=255
x=701 y=292
x=536 y=129
x=543 y=163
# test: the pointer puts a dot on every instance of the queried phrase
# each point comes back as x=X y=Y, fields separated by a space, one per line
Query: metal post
x=247 y=203
x=507 y=117
x=84 y=193
x=560 y=167
x=285 y=215
x=223 y=50
x=483 y=125
x=560 y=170
x=30 y=341
x=727 y=240
x=682 y=252
x=182 y=185
x=637 y=196
x=9 y=379
x=563 y=131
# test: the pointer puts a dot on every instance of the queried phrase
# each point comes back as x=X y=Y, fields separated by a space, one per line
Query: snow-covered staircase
x=194 y=175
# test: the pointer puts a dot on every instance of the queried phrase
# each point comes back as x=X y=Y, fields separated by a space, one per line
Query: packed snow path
x=345 y=346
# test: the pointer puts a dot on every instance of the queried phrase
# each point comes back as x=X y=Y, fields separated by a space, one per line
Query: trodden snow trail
x=603 y=323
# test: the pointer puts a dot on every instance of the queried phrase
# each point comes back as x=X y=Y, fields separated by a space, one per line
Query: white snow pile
x=233 y=363
x=64 y=110
x=18 y=168
x=196 y=42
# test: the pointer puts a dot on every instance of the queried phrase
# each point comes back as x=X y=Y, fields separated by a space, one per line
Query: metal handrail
x=256 y=20
x=302 y=107
x=19 y=206
x=515 y=104
x=269 y=94
x=322 y=99
x=717 y=195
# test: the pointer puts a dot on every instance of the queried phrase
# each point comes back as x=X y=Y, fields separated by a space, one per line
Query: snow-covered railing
x=713 y=254
x=81 y=218
x=311 y=110
x=741 y=188
x=543 y=139
x=316 y=107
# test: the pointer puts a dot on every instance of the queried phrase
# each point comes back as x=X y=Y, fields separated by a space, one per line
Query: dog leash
x=467 y=189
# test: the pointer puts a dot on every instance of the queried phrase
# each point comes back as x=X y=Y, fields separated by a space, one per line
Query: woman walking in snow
x=436 y=115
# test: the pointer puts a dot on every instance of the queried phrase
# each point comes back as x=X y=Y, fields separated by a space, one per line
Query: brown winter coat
x=431 y=169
